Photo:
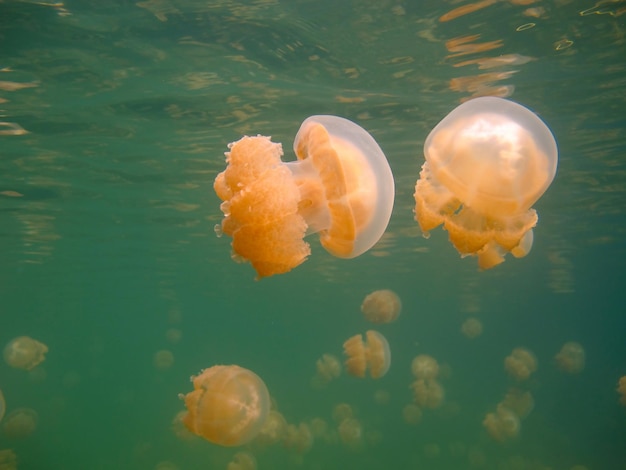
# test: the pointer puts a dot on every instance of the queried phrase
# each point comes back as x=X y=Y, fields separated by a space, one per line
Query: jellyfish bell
x=373 y=354
x=487 y=163
x=228 y=406
x=20 y=423
x=571 y=358
x=520 y=364
x=25 y=353
x=424 y=366
x=381 y=306
x=341 y=187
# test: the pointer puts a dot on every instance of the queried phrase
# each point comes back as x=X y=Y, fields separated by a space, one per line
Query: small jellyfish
x=163 y=359
x=412 y=414
x=341 y=187
x=3 y=405
x=242 y=461
x=428 y=393
x=487 y=163
x=228 y=406
x=372 y=354
x=342 y=411
x=8 y=459
x=621 y=389
x=20 y=423
x=502 y=425
x=25 y=353
x=351 y=433
x=571 y=358
x=328 y=368
x=519 y=401
x=472 y=328
x=425 y=367
x=520 y=364
x=381 y=306
x=273 y=430
x=298 y=438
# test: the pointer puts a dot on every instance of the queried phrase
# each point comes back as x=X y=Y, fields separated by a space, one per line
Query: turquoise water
x=114 y=120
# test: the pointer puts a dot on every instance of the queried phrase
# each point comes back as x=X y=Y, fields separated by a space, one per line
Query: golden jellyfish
x=351 y=433
x=228 y=406
x=8 y=459
x=472 y=328
x=487 y=163
x=425 y=367
x=519 y=402
x=163 y=359
x=520 y=364
x=381 y=306
x=502 y=425
x=242 y=461
x=328 y=368
x=341 y=187
x=412 y=414
x=621 y=389
x=24 y=352
x=298 y=438
x=372 y=354
x=342 y=411
x=571 y=358
x=428 y=393
x=3 y=405
x=273 y=430
x=20 y=423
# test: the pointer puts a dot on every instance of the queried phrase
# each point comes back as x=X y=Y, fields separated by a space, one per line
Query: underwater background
x=114 y=119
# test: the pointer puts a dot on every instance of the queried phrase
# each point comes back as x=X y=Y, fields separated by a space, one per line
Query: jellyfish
x=242 y=461
x=341 y=187
x=425 y=367
x=273 y=430
x=298 y=438
x=3 y=405
x=571 y=358
x=372 y=354
x=20 y=423
x=8 y=459
x=228 y=406
x=342 y=411
x=328 y=368
x=487 y=163
x=502 y=425
x=163 y=359
x=621 y=389
x=25 y=353
x=412 y=414
x=519 y=402
x=428 y=393
x=472 y=328
x=520 y=364
x=351 y=433
x=381 y=306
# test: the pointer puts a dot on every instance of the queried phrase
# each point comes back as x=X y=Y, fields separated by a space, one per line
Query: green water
x=115 y=117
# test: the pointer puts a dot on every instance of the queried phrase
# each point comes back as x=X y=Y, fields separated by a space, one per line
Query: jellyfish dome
x=228 y=406
x=487 y=163
x=373 y=354
x=340 y=187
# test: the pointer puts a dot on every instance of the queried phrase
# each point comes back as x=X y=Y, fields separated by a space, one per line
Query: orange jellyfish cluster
x=487 y=163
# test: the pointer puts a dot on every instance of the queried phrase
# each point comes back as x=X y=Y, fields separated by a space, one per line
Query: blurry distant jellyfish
x=342 y=411
x=571 y=358
x=242 y=461
x=520 y=364
x=24 y=352
x=228 y=406
x=381 y=306
x=273 y=430
x=381 y=397
x=428 y=393
x=341 y=187
x=351 y=433
x=163 y=359
x=621 y=389
x=373 y=354
x=173 y=335
x=425 y=367
x=179 y=429
x=412 y=414
x=298 y=438
x=487 y=163
x=327 y=368
x=519 y=401
x=20 y=423
x=8 y=459
x=472 y=328
x=3 y=405
x=502 y=425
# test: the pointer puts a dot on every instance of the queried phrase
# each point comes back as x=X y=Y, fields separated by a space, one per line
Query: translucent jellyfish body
x=341 y=187
x=24 y=352
x=372 y=354
x=228 y=406
x=487 y=163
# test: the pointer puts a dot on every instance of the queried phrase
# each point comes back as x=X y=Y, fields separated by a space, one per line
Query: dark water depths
x=114 y=117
